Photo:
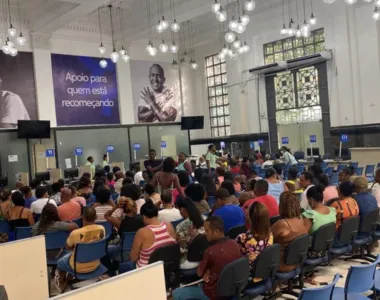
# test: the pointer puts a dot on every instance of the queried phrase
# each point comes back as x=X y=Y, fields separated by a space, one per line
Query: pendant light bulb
x=152 y=51
x=102 y=49
x=284 y=30
x=173 y=48
x=240 y=28
x=194 y=65
x=12 y=31
x=244 y=18
x=159 y=28
x=125 y=58
x=114 y=56
x=233 y=24
x=313 y=19
x=229 y=37
x=236 y=44
x=6 y=48
x=103 y=63
x=215 y=7
x=163 y=47
x=221 y=15
x=250 y=5
x=376 y=14
x=122 y=51
x=21 y=40
x=175 y=27
x=164 y=23
x=13 y=52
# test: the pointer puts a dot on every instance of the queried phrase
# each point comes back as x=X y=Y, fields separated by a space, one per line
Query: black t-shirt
x=130 y=224
x=153 y=164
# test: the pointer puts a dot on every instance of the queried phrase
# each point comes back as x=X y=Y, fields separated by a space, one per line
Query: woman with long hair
x=188 y=229
x=19 y=215
x=183 y=164
x=259 y=235
x=289 y=158
x=166 y=180
x=209 y=185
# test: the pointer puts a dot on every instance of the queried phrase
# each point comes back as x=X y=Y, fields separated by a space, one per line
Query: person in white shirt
x=138 y=176
x=42 y=199
x=289 y=159
x=268 y=162
x=169 y=213
x=306 y=182
x=12 y=109
x=157 y=102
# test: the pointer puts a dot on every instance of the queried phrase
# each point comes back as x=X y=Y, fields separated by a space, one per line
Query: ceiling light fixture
x=114 y=55
x=20 y=40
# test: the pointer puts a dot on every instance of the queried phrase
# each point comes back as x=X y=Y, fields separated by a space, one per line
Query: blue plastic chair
x=329 y=171
x=369 y=173
x=360 y=279
x=23 y=232
x=341 y=167
x=175 y=223
x=300 y=169
x=142 y=183
x=4 y=226
x=88 y=252
x=323 y=165
x=55 y=240
x=211 y=200
x=107 y=227
x=36 y=217
x=320 y=293
x=354 y=164
x=359 y=171
x=114 y=197
x=285 y=173
x=334 y=179
x=127 y=242
x=79 y=222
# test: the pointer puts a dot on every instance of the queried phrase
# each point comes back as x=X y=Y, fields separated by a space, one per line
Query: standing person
x=261 y=192
x=69 y=210
x=184 y=181
x=152 y=165
x=306 y=182
x=18 y=214
x=211 y=159
x=105 y=161
x=166 y=179
x=42 y=199
x=220 y=253
x=90 y=162
x=12 y=108
x=138 y=177
x=168 y=213
x=376 y=187
x=90 y=232
x=276 y=186
x=183 y=164
x=158 y=102
x=28 y=196
x=232 y=215
x=289 y=159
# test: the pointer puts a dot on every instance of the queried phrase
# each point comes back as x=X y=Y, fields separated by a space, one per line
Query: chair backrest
x=354 y=164
x=175 y=223
x=23 y=232
x=115 y=196
x=348 y=230
x=319 y=293
x=87 y=252
x=127 y=241
x=334 y=179
x=369 y=222
x=170 y=255
x=267 y=263
x=369 y=170
x=299 y=155
x=211 y=200
x=340 y=167
x=107 y=227
x=79 y=222
x=233 y=278
x=235 y=231
x=361 y=278
x=323 y=238
x=4 y=226
x=323 y=165
x=359 y=171
x=36 y=217
x=300 y=169
x=326 y=156
x=196 y=248
x=329 y=171
x=296 y=251
x=56 y=240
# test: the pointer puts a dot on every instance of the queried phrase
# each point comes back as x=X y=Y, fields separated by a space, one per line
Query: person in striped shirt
x=154 y=235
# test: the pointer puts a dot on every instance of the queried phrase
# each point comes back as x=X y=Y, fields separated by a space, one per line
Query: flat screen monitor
x=191 y=123
x=33 y=129
x=43 y=176
x=71 y=173
x=315 y=152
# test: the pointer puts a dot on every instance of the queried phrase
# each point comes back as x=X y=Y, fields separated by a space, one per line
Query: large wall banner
x=85 y=93
x=156 y=92
x=17 y=89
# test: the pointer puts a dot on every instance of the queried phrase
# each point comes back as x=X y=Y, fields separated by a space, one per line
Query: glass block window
x=294 y=47
x=297 y=96
x=216 y=74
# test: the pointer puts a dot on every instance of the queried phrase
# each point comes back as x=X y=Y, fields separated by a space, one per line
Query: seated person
x=5 y=203
x=188 y=229
x=75 y=197
x=229 y=176
x=346 y=207
x=90 y=232
x=184 y=181
x=133 y=192
x=258 y=236
x=293 y=183
x=230 y=187
x=168 y=213
x=232 y=215
x=220 y=253
x=69 y=210
x=219 y=175
x=150 y=193
x=243 y=198
x=119 y=177
x=18 y=215
x=365 y=200
x=251 y=187
x=85 y=188
x=42 y=199
x=197 y=193
x=110 y=179
x=154 y=235
x=28 y=196
x=104 y=204
x=320 y=214
x=261 y=192
x=290 y=226
x=347 y=174
x=131 y=222
x=268 y=162
x=234 y=167
x=330 y=191
x=56 y=192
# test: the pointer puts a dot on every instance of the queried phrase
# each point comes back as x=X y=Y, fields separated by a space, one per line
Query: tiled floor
x=324 y=274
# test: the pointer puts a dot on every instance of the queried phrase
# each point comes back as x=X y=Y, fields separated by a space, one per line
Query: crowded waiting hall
x=183 y=150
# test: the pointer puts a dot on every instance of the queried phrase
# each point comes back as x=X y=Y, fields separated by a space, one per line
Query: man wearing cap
x=365 y=200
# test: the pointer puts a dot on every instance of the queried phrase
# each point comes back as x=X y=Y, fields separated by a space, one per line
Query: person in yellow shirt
x=90 y=232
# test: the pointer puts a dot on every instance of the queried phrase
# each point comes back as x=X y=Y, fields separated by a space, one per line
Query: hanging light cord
x=121 y=27
x=149 y=20
x=19 y=16
x=283 y=12
x=5 y=17
x=113 y=37
x=304 y=10
x=192 y=39
x=297 y=11
x=100 y=27
x=311 y=6
x=10 y=15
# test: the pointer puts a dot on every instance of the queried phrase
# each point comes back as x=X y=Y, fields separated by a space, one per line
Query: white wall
x=353 y=73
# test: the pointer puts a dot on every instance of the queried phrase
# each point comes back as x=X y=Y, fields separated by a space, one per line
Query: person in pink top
x=330 y=191
x=184 y=181
x=69 y=210
x=110 y=179
x=154 y=235
x=75 y=198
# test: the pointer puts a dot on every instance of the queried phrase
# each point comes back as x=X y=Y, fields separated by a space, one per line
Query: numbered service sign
x=222 y=145
x=49 y=152
x=313 y=138
x=285 y=140
x=252 y=145
x=344 y=138
x=260 y=142
x=110 y=149
x=163 y=144
x=137 y=147
x=78 y=151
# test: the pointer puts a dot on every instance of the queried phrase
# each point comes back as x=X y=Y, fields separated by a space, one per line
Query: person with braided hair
x=290 y=226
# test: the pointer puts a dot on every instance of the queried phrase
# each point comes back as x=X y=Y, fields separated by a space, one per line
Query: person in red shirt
x=220 y=253
x=261 y=192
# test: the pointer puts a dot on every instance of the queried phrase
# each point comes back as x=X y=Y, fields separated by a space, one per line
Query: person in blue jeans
x=231 y=214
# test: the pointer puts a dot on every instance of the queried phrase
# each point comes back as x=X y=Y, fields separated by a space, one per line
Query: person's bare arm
x=154 y=180
x=171 y=230
x=30 y=218
x=178 y=186
x=137 y=244
x=145 y=115
x=162 y=116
